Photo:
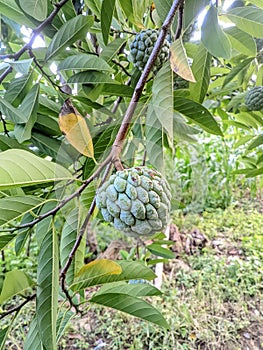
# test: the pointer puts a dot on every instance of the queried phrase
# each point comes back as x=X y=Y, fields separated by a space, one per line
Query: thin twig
x=122 y=67
x=180 y=21
x=35 y=33
x=18 y=307
x=122 y=133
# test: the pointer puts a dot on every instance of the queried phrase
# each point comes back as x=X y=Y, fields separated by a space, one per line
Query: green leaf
x=49 y=107
x=5 y=240
x=130 y=270
x=74 y=29
x=213 y=37
x=18 y=89
x=112 y=48
x=248 y=18
x=255 y=172
x=198 y=114
x=19 y=168
x=182 y=130
x=154 y=139
x=237 y=70
x=158 y=250
x=12 y=208
x=3 y=336
x=21 y=66
x=117 y=90
x=131 y=305
x=201 y=71
x=136 y=290
x=47 y=290
x=90 y=77
x=86 y=62
x=35 y=8
x=7 y=143
x=241 y=41
x=52 y=147
x=68 y=238
x=162 y=8
x=29 y=108
x=33 y=340
x=12 y=113
x=92 y=273
x=15 y=282
x=162 y=98
x=107 y=9
x=258 y=3
x=256 y=142
x=44 y=225
x=47 y=125
x=88 y=195
x=11 y=10
x=62 y=322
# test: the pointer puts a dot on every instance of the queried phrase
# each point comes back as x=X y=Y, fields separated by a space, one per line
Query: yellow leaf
x=76 y=130
x=179 y=62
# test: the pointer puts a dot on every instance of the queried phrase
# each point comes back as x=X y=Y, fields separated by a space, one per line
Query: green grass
x=211 y=301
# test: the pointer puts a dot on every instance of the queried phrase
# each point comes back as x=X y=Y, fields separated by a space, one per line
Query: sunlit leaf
x=85 y=62
x=248 y=18
x=21 y=66
x=93 y=272
x=74 y=29
x=14 y=207
x=201 y=71
x=15 y=282
x=213 y=37
x=12 y=113
x=121 y=271
x=19 y=168
x=35 y=8
x=76 y=130
x=237 y=70
x=241 y=41
x=179 y=61
x=162 y=98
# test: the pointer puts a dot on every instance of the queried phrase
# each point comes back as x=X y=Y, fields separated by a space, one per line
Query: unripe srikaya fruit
x=137 y=201
x=254 y=98
x=142 y=46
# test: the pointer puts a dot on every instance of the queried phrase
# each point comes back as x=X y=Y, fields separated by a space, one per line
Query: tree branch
x=18 y=307
x=122 y=133
x=180 y=21
x=35 y=33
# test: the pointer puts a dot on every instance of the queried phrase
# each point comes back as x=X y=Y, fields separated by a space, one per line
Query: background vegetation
x=67 y=66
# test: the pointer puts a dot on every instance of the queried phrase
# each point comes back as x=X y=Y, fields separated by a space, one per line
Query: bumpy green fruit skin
x=137 y=201
x=254 y=98
x=142 y=46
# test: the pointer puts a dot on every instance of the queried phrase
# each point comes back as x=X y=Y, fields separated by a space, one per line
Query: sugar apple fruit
x=136 y=201
x=142 y=46
x=254 y=98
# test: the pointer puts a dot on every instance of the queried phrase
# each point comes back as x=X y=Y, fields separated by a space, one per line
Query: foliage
x=72 y=104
